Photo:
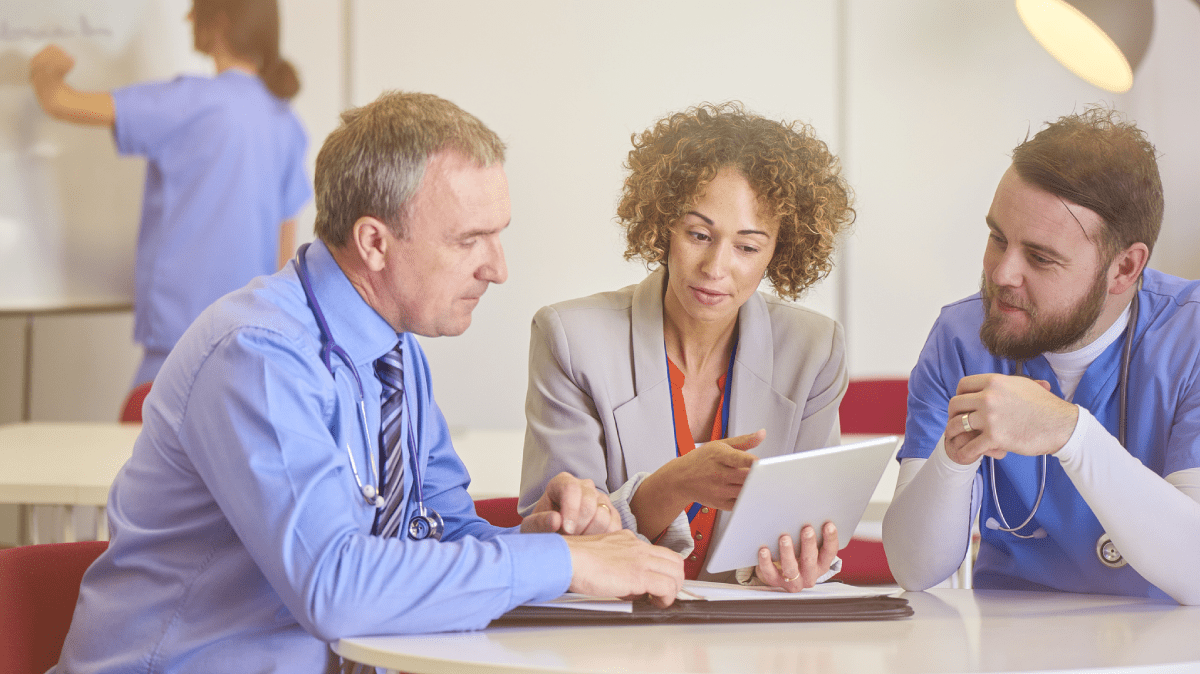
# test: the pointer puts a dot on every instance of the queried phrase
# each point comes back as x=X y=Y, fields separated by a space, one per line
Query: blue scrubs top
x=225 y=167
x=240 y=539
x=1163 y=429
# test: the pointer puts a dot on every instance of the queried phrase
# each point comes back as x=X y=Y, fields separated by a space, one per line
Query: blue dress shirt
x=240 y=539
x=1163 y=429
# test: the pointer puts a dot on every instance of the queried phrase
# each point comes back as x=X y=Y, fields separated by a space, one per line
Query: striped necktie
x=390 y=370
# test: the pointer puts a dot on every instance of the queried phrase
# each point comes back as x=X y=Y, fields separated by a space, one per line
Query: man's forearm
x=1154 y=523
x=927 y=528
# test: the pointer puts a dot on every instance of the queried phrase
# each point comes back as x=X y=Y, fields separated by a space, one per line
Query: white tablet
x=783 y=493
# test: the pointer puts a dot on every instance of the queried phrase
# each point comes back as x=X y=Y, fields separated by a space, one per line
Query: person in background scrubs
x=1031 y=367
x=225 y=174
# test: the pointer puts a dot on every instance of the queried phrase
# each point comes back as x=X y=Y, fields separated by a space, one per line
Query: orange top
x=700 y=516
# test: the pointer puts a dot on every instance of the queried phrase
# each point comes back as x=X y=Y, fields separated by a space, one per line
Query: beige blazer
x=598 y=404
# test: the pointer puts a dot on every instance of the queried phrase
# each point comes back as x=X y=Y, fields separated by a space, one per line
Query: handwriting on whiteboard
x=10 y=32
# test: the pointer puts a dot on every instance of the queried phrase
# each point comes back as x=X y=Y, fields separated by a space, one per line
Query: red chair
x=501 y=512
x=871 y=406
x=875 y=406
x=39 y=585
x=131 y=412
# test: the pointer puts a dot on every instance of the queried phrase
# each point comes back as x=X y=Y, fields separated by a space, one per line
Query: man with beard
x=1091 y=481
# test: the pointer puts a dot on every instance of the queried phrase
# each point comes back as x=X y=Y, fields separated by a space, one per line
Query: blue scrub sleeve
x=148 y=114
x=929 y=393
x=297 y=188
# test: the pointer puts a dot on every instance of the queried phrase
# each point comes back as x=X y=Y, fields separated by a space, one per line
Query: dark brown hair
x=253 y=34
x=1099 y=161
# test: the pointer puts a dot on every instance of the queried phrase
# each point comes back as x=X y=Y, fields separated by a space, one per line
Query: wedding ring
x=966 y=418
x=788 y=580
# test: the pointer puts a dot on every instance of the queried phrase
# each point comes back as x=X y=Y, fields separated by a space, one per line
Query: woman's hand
x=47 y=73
x=795 y=572
x=49 y=67
x=712 y=474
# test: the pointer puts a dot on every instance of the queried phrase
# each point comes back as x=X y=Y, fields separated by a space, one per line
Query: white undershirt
x=1069 y=367
x=1153 y=521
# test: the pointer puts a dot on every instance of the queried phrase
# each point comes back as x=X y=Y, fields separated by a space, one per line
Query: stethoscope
x=1106 y=551
x=427 y=523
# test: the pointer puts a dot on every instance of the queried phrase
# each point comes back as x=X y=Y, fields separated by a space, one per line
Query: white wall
x=940 y=91
x=936 y=94
x=565 y=84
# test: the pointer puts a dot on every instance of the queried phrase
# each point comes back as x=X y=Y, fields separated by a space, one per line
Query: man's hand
x=795 y=572
x=1006 y=414
x=572 y=506
x=621 y=565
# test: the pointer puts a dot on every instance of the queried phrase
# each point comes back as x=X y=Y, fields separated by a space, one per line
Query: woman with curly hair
x=654 y=391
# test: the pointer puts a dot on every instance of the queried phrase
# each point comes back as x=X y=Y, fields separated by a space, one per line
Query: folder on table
x=732 y=604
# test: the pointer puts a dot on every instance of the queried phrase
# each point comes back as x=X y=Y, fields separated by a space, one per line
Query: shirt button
x=692 y=558
x=699 y=535
x=704 y=510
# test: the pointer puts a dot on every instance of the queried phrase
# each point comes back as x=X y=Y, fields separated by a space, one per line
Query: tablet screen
x=783 y=493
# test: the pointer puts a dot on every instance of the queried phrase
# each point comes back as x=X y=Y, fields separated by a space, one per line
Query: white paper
x=698 y=590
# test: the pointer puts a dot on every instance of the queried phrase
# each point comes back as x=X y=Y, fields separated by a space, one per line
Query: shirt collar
x=353 y=323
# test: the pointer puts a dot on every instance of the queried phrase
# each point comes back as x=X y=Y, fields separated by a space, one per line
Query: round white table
x=959 y=631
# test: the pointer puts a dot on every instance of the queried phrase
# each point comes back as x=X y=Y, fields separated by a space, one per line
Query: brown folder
x=880 y=607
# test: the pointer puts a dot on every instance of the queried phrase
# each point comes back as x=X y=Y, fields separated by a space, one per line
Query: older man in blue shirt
x=246 y=532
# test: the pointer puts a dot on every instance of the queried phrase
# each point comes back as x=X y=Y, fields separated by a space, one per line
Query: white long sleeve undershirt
x=1154 y=522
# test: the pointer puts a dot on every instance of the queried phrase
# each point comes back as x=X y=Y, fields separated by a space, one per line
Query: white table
x=74 y=464
x=62 y=464
x=958 y=631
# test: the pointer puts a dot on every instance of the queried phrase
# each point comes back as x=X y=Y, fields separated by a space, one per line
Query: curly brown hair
x=797 y=180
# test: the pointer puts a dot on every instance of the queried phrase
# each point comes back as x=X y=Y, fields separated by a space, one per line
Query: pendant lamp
x=1102 y=41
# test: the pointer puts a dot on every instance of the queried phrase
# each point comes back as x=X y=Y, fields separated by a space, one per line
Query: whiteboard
x=69 y=205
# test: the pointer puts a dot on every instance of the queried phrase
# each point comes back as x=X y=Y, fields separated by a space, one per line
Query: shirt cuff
x=541 y=566
x=947 y=467
x=1069 y=452
x=677 y=537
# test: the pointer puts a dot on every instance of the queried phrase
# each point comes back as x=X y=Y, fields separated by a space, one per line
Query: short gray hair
x=372 y=164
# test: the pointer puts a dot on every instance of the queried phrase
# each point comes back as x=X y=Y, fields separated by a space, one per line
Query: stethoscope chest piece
x=1107 y=551
x=428 y=524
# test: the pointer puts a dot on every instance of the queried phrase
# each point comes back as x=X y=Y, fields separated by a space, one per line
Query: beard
x=1045 y=333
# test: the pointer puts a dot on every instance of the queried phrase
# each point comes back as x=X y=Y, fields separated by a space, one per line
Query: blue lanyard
x=726 y=395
